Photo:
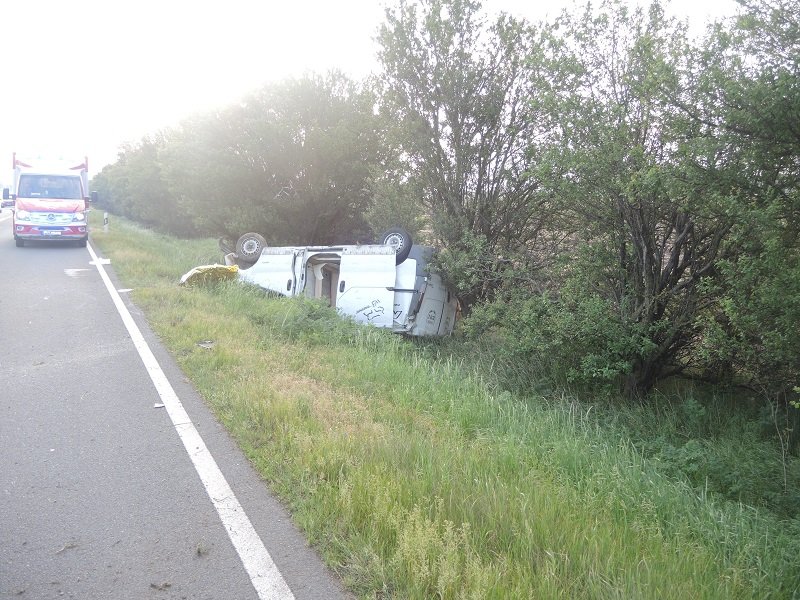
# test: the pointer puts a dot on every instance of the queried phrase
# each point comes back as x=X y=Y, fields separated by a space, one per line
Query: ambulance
x=50 y=201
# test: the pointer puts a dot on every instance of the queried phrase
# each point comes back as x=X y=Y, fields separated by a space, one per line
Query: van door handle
x=341 y=286
x=289 y=285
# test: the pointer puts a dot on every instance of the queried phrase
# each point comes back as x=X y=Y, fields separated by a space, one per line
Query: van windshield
x=64 y=187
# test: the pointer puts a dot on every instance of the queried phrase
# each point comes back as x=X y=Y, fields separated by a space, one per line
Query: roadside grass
x=416 y=480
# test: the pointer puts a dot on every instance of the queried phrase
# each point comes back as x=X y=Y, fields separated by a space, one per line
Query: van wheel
x=19 y=241
x=399 y=239
x=249 y=247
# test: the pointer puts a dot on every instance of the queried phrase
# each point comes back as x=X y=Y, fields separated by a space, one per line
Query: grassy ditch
x=414 y=480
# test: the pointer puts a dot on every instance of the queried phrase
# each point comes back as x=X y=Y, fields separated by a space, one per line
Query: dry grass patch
x=340 y=412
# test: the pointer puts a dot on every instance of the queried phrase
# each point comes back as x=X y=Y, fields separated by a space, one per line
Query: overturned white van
x=387 y=285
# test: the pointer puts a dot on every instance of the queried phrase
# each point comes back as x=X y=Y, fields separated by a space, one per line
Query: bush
x=577 y=340
x=727 y=452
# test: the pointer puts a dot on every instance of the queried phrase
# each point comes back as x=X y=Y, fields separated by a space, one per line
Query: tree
x=751 y=72
x=134 y=187
x=292 y=161
x=458 y=93
x=218 y=189
x=647 y=227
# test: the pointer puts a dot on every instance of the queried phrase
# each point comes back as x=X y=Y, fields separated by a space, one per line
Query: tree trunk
x=641 y=380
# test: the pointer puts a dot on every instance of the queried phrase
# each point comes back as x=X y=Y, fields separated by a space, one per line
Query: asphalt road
x=99 y=498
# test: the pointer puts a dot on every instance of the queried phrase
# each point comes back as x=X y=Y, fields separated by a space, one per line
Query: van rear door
x=366 y=281
x=274 y=271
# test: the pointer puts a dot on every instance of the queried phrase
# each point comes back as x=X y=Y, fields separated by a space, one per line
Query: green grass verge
x=414 y=480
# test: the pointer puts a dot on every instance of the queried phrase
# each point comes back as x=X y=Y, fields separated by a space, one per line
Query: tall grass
x=416 y=480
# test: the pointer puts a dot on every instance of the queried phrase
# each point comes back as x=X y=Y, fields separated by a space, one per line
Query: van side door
x=366 y=282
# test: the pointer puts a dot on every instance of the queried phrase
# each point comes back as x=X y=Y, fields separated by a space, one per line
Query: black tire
x=399 y=239
x=82 y=243
x=20 y=242
x=249 y=247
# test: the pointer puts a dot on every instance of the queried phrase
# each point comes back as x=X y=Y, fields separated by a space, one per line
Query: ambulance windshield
x=61 y=187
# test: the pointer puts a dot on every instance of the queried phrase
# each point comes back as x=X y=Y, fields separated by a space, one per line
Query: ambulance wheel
x=249 y=247
x=399 y=239
x=19 y=241
x=82 y=243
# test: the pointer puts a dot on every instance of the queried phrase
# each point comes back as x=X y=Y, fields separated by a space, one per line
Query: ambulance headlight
x=78 y=217
x=22 y=215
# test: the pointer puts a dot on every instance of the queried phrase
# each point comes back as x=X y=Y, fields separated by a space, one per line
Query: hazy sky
x=83 y=76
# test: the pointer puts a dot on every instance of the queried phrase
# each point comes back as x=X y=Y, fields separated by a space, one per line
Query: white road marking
x=267 y=580
x=75 y=272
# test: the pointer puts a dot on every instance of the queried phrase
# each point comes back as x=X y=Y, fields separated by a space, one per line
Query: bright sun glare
x=86 y=76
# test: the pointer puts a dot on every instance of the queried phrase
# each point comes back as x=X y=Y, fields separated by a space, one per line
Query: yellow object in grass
x=209 y=274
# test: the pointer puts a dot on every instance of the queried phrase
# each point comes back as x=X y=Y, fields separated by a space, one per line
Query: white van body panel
x=275 y=272
x=437 y=311
x=365 y=291
x=405 y=285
